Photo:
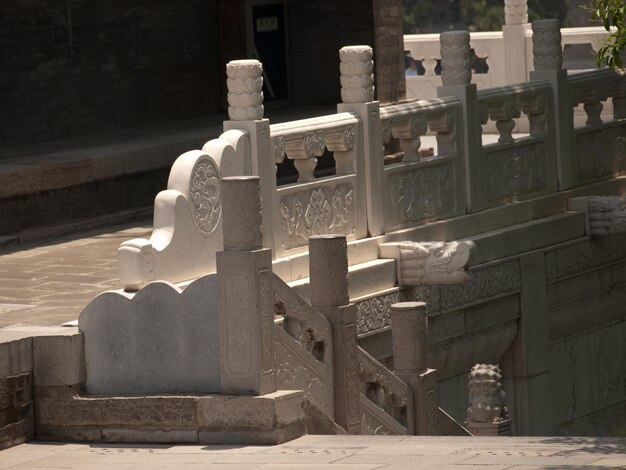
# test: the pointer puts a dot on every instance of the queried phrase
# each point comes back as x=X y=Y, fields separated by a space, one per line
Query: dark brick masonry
x=75 y=66
x=16 y=410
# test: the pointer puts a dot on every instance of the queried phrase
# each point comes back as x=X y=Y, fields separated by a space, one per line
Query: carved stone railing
x=303 y=349
x=598 y=147
x=313 y=206
x=515 y=169
x=386 y=401
x=421 y=190
x=492 y=46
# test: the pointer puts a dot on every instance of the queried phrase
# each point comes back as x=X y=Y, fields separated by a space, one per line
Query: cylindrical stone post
x=242 y=219
x=409 y=330
x=330 y=294
x=515 y=12
x=328 y=270
x=357 y=74
x=547 y=51
x=244 y=277
x=245 y=90
x=409 y=337
x=455 y=58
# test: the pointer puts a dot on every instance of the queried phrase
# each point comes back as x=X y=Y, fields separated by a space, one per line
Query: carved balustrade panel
x=304 y=347
x=386 y=391
x=376 y=422
x=321 y=207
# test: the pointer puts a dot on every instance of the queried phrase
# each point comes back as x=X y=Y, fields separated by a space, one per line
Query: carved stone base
x=490 y=429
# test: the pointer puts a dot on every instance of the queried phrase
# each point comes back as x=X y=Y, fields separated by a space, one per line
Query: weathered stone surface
x=178 y=436
x=58 y=360
x=158 y=341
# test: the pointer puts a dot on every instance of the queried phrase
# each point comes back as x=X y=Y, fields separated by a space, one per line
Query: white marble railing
x=492 y=47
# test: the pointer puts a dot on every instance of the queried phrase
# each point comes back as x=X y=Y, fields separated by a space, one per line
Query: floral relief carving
x=205 y=195
x=600 y=153
x=327 y=210
x=314 y=143
x=420 y=194
x=515 y=171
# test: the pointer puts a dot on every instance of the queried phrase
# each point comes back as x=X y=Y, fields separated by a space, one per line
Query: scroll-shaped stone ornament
x=357 y=74
x=606 y=215
x=187 y=228
x=547 y=52
x=515 y=11
x=487 y=414
x=455 y=58
x=245 y=90
x=422 y=263
x=243 y=219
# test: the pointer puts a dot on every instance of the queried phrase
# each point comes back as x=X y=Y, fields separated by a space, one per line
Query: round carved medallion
x=205 y=196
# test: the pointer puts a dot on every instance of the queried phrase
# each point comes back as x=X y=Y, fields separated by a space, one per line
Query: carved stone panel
x=418 y=194
x=601 y=152
x=607 y=369
x=316 y=211
x=515 y=171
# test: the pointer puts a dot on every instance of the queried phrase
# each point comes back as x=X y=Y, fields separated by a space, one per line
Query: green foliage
x=612 y=13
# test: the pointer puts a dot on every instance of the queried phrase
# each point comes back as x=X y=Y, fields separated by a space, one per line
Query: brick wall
x=317 y=30
x=16 y=410
x=389 y=50
x=76 y=66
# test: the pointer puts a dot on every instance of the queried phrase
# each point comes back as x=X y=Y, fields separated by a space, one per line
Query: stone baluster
x=409 y=331
x=535 y=108
x=357 y=94
x=443 y=125
x=592 y=104
x=409 y=132
x=503 y=113
x=304 y=153
x=343 y=146
x=245 y=111
x=548 y=61
x=514 y=36
x=456 y=76
x=330 y=295
x=246 y=315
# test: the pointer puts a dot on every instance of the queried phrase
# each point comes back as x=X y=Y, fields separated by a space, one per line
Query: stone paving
x=334 y=452
x=49 y=283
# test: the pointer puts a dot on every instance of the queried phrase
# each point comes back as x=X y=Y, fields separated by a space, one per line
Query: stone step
x=527 y=236
x=371 y=276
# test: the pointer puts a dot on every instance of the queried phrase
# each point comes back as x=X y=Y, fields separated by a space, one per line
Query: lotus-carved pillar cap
x=357 y=74
x=245 y=90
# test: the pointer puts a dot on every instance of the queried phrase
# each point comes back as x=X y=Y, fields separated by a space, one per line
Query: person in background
x=411 y=70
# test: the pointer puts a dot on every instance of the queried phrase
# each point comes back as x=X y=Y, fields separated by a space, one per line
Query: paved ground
x=333 y=452
x=49 y=283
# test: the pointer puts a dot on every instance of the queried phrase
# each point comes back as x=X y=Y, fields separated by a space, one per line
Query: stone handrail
x=593 y=87
x=304 y=347
x=386 y=401
x=306 y=139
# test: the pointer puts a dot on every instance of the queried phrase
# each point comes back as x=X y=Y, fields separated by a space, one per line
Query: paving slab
x=333 y=452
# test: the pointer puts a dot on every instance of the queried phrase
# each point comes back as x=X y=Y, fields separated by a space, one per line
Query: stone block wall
x=69 y=68
x=16 y=400
x=389 y=50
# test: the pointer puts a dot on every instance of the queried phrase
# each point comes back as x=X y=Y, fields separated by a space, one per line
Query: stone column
x=548 y=62
x=456 y=76
x=514 y=34
x=328 y=268
x=409 y=331
x=245 y=111
x=357 y=94
x=244 y=271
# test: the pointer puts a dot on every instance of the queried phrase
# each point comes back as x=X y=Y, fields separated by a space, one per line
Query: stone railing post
x=246 y=314
x=409 y=331
x=514 y=35
x=357 y=94
x=328 y=268
x=548 y=62
x=245 y=111
x=456 y=76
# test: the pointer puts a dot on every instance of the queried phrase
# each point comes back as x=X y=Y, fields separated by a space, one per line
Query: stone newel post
x=357 y=94
x=409 y=331
x=456 y=76
x=548 y=61
x=328 y=267
x=514 y=35
x=245 y=110
x=246 y=315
